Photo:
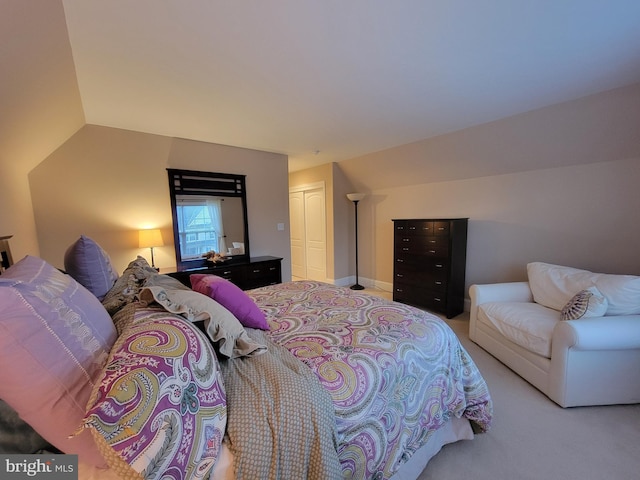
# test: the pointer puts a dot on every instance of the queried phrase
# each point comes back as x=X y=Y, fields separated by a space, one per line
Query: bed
x=318 y=382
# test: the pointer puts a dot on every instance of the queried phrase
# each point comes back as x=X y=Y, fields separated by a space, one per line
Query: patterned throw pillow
x=585 y=304
x=159 y=410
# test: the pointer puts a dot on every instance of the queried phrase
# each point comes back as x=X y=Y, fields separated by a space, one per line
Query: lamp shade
x=356 y=197
x=150 y=238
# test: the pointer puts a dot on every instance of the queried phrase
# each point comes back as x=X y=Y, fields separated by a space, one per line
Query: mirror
x=209 y=212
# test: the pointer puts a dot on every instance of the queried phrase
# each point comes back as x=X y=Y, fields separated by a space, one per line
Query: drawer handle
x=438 y=265
x=432 y=241
x=272 y=268
x=399 y=275
x=441 y=228
x=412 y=228
x=438 y=283
x=406 y=240
x=256 y=271
x=437 y=299
x=227 y=272
x=432 y=251
x=405 y=249
x=399 y=290
x=399 y=260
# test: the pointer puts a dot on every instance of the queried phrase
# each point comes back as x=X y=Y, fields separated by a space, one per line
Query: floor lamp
x=355 y=198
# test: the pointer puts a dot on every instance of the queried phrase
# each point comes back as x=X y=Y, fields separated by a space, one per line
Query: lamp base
x=356 y=287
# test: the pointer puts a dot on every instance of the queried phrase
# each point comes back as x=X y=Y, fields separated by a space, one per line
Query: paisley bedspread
x=395 y=373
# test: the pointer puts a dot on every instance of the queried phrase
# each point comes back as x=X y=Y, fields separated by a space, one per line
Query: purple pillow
x=232 y=298
x=90 y=266
x=55 y=337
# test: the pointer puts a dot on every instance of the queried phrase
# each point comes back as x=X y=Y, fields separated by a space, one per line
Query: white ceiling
x=342 y=77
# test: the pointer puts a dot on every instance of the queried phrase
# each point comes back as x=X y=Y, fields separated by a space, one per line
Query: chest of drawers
x=430 y=263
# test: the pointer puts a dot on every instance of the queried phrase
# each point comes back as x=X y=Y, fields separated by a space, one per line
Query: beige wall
x=598 y=128
x=583 y=216
x=40 y=105
x=579 y=207
x=107 y=183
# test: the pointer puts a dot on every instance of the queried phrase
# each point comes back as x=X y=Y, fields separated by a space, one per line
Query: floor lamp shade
x=355 y=198
x=149 y=239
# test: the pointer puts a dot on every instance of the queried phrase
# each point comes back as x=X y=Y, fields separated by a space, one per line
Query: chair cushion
x=527 y=324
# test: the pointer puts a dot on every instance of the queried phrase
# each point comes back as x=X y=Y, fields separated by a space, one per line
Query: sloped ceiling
x=330 y=80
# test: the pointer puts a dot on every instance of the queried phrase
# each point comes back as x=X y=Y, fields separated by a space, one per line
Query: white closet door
x=308 y=233
x=296 y=220
x=315 y=234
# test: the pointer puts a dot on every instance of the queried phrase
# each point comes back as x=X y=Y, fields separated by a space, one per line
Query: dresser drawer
x=419 y=296
x=409 y=246
x=261 y=274
x=436 y=282
x=232 y=274
x=441 y=228
x=436 y=301
x=414 y=228
x=405 y=293
x=419 y=263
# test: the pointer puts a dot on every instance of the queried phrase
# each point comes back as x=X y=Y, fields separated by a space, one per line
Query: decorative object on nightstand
x=355 y=198
x=214 y=257
x=149 y=239
x=430 y=262
x=6 y=260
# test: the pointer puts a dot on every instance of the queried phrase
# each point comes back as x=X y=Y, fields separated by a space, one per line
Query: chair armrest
x=495 y=292
x=500 y=292
x=600 y=333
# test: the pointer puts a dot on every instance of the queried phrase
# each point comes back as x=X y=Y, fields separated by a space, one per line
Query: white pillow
x=554 y=285
x=585 y=304
x=622 y=293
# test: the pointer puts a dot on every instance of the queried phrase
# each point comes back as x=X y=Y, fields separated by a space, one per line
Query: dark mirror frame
x=192 y=182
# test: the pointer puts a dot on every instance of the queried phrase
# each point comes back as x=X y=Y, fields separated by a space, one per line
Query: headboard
x=6 y=260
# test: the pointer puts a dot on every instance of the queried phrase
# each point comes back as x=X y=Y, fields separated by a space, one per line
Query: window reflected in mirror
x=209 y=214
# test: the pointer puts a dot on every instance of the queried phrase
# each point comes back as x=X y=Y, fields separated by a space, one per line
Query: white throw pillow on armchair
x=554 y=285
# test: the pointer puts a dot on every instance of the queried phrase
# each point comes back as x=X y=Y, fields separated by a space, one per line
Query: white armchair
x=593 y=361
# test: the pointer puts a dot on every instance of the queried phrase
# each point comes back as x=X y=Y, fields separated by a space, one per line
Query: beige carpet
x=534 y=439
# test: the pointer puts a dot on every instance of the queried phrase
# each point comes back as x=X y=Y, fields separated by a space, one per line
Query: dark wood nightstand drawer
x=261 y=274
x=257 y=272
